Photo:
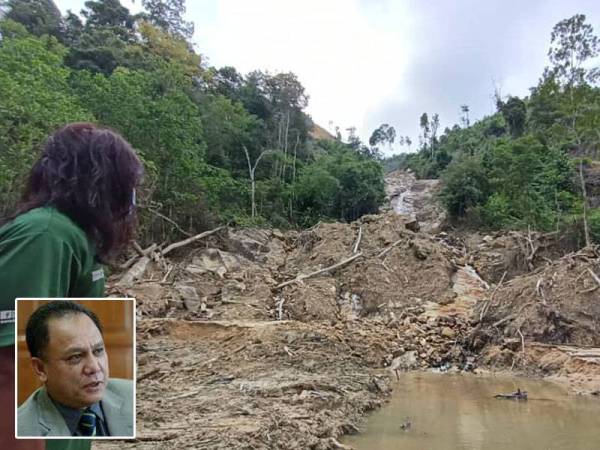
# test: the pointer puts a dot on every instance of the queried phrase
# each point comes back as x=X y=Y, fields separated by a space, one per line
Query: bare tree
x=251 y=172
x=572 y=44
x=435 y=124
x=586 y=228
x=465 y=117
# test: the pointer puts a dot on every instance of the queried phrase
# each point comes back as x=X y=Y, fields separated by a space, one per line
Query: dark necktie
x=87 y=423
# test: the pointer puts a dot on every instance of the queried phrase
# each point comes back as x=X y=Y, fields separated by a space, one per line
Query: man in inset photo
x=77 y=397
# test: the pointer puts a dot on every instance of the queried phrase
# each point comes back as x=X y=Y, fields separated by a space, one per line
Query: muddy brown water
x=444 y=412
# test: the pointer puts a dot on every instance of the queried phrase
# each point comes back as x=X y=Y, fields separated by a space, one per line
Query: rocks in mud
x=412 y=225
x=207 y=289
x=259 y=246
x=448 y=332
x=379 y=384
x=231 y=290
x=189 y=296
x=314 y=301
x=430 y=341
x=407 y=361
x=249 y=243
x=215 y=261
x=420 y=251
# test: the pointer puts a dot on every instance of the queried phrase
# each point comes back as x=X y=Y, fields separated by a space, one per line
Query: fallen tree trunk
x=594 y=276
x=355 y=249
x=519 y=395
x=135 y=272
x=318 y=272
x=190 y=240
x=131 y=261
x=390 y=247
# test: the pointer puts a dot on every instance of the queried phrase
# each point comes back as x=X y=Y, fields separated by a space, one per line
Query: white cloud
x=347 y=60
x=367 y=62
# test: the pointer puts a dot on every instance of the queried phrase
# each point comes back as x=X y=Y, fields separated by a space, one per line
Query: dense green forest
x=218 y=145
x=523 y=166
x=222 y=146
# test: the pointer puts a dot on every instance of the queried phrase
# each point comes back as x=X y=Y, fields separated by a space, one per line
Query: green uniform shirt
x=43 y=253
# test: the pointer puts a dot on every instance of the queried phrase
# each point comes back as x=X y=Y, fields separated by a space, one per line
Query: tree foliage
x=191 y=124
x=38 y=16
x=36 y=99
x=514 y=112
x=385 y=133
x=517 y=168
x=572 y=44
x=341 y=184
x=168 y=16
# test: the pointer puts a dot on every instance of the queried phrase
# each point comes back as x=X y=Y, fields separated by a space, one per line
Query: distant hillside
x=318 y=132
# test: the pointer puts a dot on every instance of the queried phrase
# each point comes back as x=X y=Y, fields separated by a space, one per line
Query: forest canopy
x=223 y=146
x=218 y=145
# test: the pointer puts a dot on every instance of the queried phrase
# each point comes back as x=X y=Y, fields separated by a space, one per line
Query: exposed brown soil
x=229 y=359
x=513 y=253
x=557 y=304
x=260 y=385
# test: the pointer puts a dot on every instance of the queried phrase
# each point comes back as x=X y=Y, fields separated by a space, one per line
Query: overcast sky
x=368 y=62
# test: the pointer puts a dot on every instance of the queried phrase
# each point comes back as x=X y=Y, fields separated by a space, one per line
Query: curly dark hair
x=88 y=173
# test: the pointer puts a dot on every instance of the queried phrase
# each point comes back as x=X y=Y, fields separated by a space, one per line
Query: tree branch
x=190 y=240
x=318 y=272
x=171 y=221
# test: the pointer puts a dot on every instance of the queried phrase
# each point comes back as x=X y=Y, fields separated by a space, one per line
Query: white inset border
x=134 y=380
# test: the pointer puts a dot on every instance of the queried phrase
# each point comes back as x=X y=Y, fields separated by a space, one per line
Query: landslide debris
x=509 y=254
x=235 y=274
x=262 y=385
x=227 y=358
x=284 y=340
x=545 y=323
x=414 y=267
x=556 y=304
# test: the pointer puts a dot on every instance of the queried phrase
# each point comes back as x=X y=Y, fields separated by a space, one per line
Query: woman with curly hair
x=77 y=211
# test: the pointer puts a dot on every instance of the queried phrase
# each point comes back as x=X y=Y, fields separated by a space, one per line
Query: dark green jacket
x=43 y=253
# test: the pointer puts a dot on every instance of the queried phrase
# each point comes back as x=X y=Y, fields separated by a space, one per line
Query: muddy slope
x=258 y=365
x=269 y=340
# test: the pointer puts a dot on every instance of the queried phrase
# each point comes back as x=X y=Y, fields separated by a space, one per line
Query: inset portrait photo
x=75 y=368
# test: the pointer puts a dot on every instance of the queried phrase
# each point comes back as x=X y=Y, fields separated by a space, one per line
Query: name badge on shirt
x=7 y=317
x=97 y=274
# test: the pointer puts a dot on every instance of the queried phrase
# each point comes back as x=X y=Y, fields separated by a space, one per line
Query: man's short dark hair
x=36 y=333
